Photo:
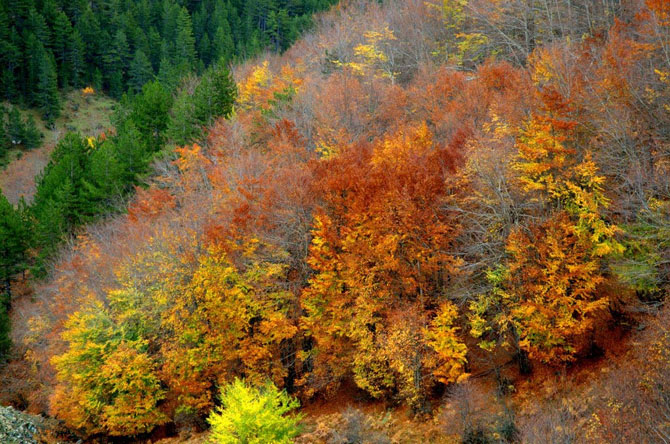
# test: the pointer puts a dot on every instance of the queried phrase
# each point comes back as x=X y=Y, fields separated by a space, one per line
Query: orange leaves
x=379 y=250
x=554 y=282
x=149 y=203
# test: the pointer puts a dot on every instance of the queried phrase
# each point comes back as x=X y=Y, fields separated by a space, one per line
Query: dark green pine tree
x=32 y=136
x=10 y=57
x=4 y=138
x=150 y=114
x=38 y=26
x=223 y=46
x=14 y=239
x=185 y=54
x=154 y=48
x=62 y=36
x=13 y=243
x=91 y=35
x=33 y=56
x=76 y=52
x=15 y=127
x=46 y=94
x=215 y=95
x=113 y=70
x=140 y=71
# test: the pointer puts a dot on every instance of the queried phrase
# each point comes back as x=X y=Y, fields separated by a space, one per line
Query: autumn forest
x=398 y=221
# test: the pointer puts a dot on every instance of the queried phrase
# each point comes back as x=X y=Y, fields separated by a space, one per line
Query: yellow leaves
x=451 y=351
x=249 y=89
x=553 y=280
x=399 y=148
x=372 y=57
x=325 y=150
x=263 y=88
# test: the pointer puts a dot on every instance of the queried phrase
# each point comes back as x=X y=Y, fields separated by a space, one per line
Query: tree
x=379 y=252
x=108 y=382
x=140 y=71
x=548 y=294
x=185 y=55
x=254 y=415
x=14 y=237
x=46 y=95
x=150 y=114
x=62 y=35
x=32 y=137
x=15 y=127
x=215 y=94
x=76 y=58
x=226 y=323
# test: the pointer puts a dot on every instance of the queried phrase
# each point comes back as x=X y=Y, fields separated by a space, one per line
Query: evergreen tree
x=150 y=114
x=4 y=138
x=32 y=137
x=223 y=46
x=215 y=95
x=140 y=71
x=76 y=59
x=46 y=94
x=185 y=42
x=13 y=244
x=15 y=127
x=62 y=35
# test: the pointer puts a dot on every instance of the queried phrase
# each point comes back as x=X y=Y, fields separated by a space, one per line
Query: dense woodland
x=456 y=211
x=120 y=45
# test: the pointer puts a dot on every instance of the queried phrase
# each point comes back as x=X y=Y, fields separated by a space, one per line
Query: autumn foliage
x=382 y=213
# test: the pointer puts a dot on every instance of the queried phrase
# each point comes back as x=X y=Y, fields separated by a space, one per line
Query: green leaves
x=250 y=415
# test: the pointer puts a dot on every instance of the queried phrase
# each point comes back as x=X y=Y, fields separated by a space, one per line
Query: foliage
x=109 y=381
x=254 y=415
x=120 y=48
x=374 y=323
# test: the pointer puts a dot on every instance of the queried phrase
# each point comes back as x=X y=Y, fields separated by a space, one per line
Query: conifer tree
x=46 y=95
x=32 y=136
x=185 y=42
x=15 y=127
x=140 y=71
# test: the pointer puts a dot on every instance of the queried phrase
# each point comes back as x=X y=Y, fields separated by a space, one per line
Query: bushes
x=254 y=415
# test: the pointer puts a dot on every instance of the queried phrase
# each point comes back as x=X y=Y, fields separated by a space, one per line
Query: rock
x=19 y=428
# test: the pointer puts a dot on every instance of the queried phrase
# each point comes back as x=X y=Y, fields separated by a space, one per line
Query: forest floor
x=89 y=116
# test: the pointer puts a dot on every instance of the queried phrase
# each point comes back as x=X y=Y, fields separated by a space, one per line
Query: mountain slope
x=447 y=209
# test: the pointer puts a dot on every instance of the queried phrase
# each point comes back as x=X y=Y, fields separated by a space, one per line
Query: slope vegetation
x=445 y=208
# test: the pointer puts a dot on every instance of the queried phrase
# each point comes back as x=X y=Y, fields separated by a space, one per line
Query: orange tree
x=548 y=293
x=377 y=307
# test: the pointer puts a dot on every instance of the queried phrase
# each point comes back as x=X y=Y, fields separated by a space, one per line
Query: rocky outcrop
x=19 y=428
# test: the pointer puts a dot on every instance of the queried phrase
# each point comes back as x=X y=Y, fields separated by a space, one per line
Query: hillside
x=424 y=221
x=87 y=116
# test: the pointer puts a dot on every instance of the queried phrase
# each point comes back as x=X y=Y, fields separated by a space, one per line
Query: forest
x=398 y=221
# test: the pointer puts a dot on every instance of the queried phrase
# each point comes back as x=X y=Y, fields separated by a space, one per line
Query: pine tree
x=4 y=138
x=140 y=71
x=15 y=127
x=223 y=46
x=185 y=42
x=62 y=35
x=32 y=137
x=76 y=59
x=13 y=244
x=150 y=114
x=46 y=95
